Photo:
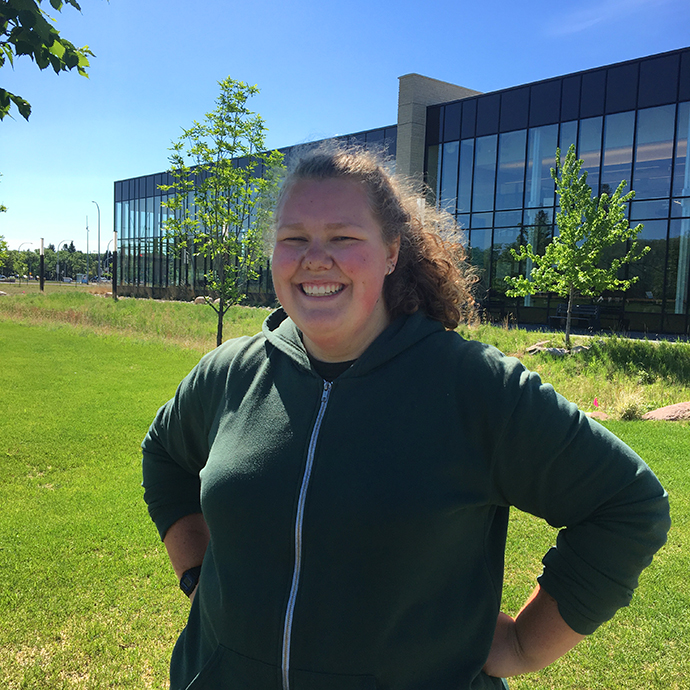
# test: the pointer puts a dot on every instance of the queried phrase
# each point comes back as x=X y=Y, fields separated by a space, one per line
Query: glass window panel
x=149 y=217
x=482 y=220
x=678 y=266
x=514 y=109
x=567 y=137
x=469 y=118
x=647 y=293
x=533 y=215
x=589 y=149
x=484 y=173
x=648 y=210
x=465 y=174
x=433 y=172
x=592 y=95
x=487 y=114
x=504 y=264
x=449 y=176
x=118 y=218
x=621 y=88
x=463 y=220
x=537 y=229
x=511 y=169
x=618 y=145
x=541 y=153
x=570 y=98
x=653 y=152
x=544 y=103
x=506 y=219
x=680 y=208
x=390 y=142
x=126 y=228
x=451 y=121
x=658 y=81
x=480 y=254
x=433 y=124
x=684 y=88
x=681 y=173
x=374 y=137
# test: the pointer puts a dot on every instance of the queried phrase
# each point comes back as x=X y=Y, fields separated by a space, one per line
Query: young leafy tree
x=221 y=203
x=4 y=255
x=574 y=262
x=25 y=29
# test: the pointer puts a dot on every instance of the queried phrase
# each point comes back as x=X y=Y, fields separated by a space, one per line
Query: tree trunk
x=569 y=317
x=221 y=312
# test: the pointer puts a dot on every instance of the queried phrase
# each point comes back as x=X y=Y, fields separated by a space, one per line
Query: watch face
x=189 y=580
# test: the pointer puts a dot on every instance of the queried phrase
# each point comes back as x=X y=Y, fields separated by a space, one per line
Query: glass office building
x=488 y=158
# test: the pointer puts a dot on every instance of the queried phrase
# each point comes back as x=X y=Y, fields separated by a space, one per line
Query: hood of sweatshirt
x=404 y=332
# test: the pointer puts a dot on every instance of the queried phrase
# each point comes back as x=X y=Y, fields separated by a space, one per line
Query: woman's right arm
x=186 y=542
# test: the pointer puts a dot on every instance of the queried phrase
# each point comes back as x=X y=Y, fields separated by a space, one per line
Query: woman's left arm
x=534 y=639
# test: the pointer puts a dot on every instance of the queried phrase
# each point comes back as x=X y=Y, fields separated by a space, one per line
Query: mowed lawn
x=88 y=597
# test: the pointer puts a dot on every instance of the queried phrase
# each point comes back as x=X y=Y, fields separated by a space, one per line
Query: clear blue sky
x=323 y=67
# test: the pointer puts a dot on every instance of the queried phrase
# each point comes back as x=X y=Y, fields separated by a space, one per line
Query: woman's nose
x=317 y=257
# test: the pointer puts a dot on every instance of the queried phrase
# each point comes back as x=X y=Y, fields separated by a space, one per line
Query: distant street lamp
x=57 y=253
x=99 y=240
x=20 y=248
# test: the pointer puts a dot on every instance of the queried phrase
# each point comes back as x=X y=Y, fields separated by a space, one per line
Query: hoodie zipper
x=287 y=628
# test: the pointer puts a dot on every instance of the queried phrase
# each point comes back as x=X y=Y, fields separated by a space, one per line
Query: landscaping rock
x=598 y=414
x=199 y=300
x=671 y=413
x=557 y=351
x=3 y=294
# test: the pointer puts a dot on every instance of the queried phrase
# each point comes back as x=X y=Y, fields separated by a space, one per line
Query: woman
x=339 y=485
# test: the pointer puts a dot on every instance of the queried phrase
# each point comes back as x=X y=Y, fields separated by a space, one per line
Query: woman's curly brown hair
x=431 y=274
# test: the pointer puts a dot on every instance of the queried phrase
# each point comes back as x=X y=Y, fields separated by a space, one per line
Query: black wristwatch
x=189 y=580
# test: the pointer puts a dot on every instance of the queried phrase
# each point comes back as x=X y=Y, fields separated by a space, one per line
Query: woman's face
x=329 y=264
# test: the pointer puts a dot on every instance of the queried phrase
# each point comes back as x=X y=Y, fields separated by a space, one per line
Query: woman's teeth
x=321 y=290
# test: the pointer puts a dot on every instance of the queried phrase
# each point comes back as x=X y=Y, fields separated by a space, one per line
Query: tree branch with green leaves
x=25 y=29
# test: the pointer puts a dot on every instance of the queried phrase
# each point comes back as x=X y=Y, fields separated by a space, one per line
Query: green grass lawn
x=89 y=599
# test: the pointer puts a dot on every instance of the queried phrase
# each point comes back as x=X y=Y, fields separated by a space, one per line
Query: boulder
x=671 y=413
x=598 y=414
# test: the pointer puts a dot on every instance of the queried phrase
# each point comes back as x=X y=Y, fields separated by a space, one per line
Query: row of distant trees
x=67 y=263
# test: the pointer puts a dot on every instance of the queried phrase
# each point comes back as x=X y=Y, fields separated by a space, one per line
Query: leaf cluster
x=575 y=261
x=25 y=29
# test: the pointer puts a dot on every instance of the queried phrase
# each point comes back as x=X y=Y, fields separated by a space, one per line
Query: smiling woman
x=334 y=492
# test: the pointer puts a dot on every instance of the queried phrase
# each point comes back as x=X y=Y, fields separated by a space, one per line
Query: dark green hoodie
x=358 y=528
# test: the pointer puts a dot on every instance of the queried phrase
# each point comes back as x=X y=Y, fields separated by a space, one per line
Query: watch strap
x=189 y=580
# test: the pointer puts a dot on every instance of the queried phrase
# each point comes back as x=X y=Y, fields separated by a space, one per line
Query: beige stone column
x=415 y=93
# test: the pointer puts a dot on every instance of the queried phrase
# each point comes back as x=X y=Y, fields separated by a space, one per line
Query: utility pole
x=41 y=268
x=87 y=250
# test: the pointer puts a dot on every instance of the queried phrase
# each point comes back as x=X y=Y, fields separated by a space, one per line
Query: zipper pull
x=326 y=389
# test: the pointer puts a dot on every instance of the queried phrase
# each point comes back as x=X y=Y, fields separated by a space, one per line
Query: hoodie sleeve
x=551 y=460
x=177 y=444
